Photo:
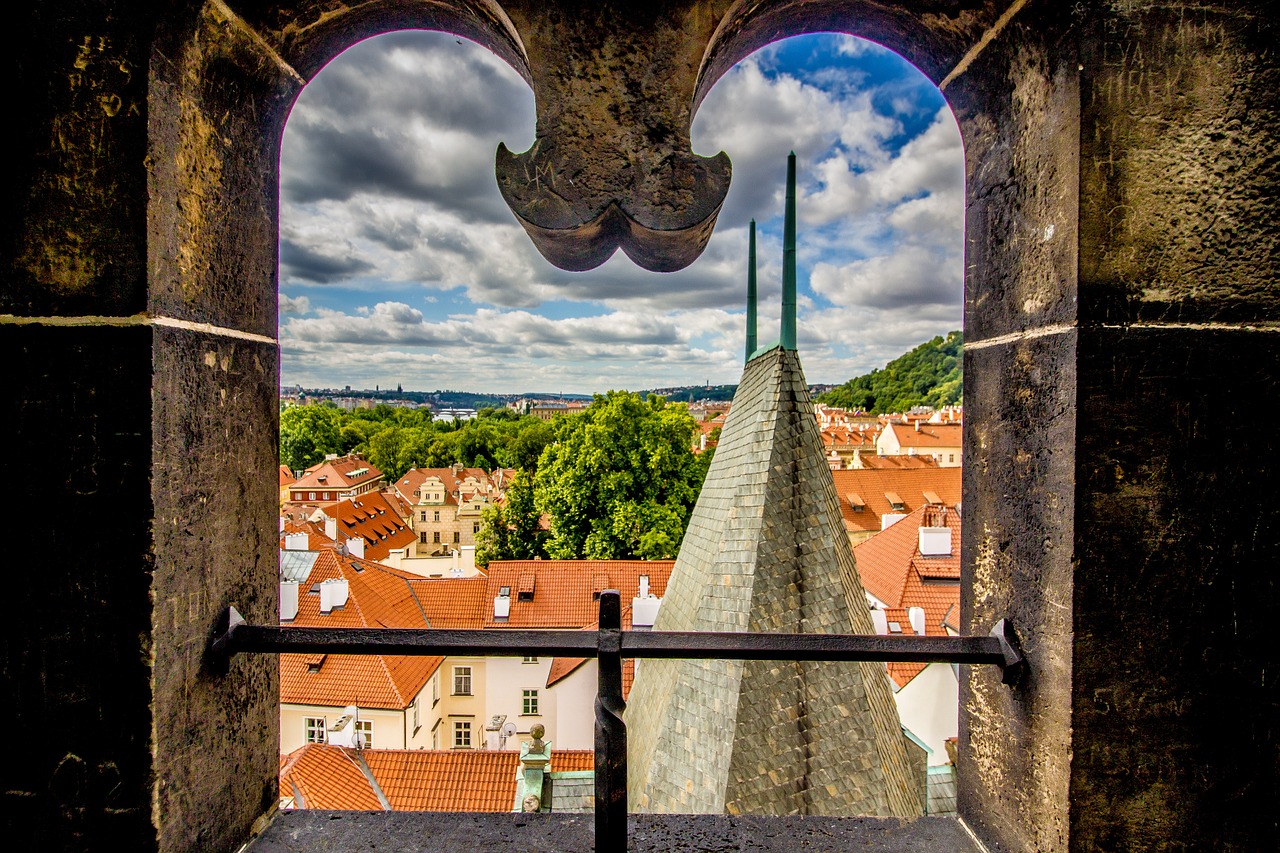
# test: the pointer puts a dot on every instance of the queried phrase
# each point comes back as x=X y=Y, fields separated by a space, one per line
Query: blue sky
x=400 y=263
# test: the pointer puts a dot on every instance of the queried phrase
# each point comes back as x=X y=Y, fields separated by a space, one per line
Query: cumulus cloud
x=393 y=228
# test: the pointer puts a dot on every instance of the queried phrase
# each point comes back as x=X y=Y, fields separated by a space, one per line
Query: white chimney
x=295 y=541
x=644 y=586
x=935 y=541
x=282 y=524
x=355 y=547
x=331 y=528
x=333 y=593
x=644 y=611
x=501 y=606
x=288 y=600
x=916 y=616
x=889 y=519
x=880 y=620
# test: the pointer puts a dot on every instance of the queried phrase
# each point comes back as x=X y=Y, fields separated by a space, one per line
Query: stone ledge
x=315 y=831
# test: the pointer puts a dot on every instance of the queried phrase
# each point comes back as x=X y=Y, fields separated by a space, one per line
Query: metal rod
x=999 y=648
x=788 y=336
x=751 y=291
x=611 y=731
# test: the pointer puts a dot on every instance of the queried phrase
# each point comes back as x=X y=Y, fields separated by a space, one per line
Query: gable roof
x=318 y=776
x=343 y=473
x=377 y=597
x=371 y=518
x=927 y=434
x=322 y=776
x=910 y=484
x=460 y=484
x=894 y=571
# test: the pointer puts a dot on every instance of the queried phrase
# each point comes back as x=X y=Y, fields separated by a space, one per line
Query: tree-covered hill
x=929 y=375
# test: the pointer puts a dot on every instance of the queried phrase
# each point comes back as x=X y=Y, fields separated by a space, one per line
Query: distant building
x=942 y=441
x=446 y=504
x=873 y=499
x=335 y=479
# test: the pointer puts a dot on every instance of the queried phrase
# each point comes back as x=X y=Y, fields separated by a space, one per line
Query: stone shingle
x=766 y=551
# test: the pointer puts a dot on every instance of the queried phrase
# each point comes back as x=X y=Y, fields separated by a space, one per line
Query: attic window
x=504 y=591
x=932 y=498
x=895 y=502
x=856 y=503
x=895 y=627
x=524 y=595
x=314 y=662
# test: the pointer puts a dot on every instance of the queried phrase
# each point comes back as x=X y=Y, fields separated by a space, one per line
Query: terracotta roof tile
x=319 y=776
x=372 y=519
x=871 y=485
x=894 y=571
x=414 y=779
x=563 y=593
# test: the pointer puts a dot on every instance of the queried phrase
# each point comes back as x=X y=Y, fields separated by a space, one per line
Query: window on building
x=530 y=659
x=422 y=537
x=313 y=729
x=462 y=681
x=435 y=537
x=952 y=458
x=424 y=515
x=475 y=527
x=461 y=734
x=435 y=735
x=457 y=537
x=529 y=702
x=416 y=722
x=435 y=688
x=364 y=731
x=437 y=516
x=311 y=496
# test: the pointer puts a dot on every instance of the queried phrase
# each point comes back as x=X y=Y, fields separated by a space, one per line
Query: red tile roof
x=928 y=435
x=564 y=590
x=413 y=779
x=456 y=487
x=870 y=485
x=342 y=473
x=894 y=571
x=378 y=597
x=453 y=603
x=372 y=519
x=897 y=462
x=319 y=776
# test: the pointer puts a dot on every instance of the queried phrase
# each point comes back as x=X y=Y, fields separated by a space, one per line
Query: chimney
x=644 y=611
x=917 y=424
x=295 y=542
x=935 y=541
x=880 y=620
x=331 y=528
x=644 y=586
x=355 y=547
x=333 y=594
x=916 y=616
x=501 y=606
x=282 y=524
x=288 y=600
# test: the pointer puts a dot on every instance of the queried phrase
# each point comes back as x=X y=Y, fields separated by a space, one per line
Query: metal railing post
x=611 y=731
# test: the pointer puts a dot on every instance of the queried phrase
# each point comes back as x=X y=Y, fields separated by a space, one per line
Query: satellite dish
x=509 y=729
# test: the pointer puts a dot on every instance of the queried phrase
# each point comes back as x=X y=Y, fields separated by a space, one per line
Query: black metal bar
x=821 y=647
x=999 y=648
x=611 y=731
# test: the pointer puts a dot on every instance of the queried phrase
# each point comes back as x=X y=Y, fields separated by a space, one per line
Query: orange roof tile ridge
x=395 y=686
x=359 y=761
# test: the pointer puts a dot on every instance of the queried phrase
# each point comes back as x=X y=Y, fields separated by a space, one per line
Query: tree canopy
x=929 y=375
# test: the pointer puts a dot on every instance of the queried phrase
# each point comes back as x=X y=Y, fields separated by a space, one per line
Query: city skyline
x=400 y=264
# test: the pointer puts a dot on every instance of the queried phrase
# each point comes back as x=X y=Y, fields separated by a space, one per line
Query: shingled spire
x=766 y=550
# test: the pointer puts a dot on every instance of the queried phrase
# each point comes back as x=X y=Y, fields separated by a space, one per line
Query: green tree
x=307 y=433
x=512 y=530
x=929 y=375
x=620 y=480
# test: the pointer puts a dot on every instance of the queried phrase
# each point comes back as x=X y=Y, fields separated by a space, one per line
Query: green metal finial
x=751 y=292
x=788 y=338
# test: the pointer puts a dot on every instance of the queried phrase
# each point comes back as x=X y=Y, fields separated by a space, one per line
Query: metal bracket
x=1014 y=668
x=217 y=657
